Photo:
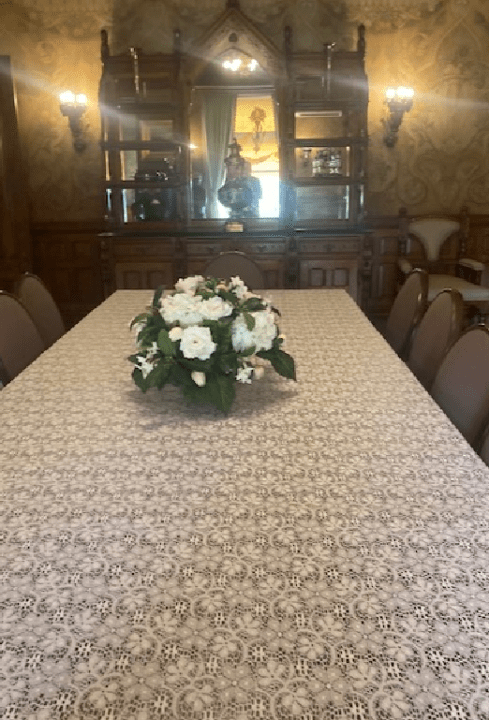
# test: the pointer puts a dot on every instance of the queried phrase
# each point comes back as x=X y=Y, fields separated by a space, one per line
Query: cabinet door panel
x=143 y=276
x=336 y=274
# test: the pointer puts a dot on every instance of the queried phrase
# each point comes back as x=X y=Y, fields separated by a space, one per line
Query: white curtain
x=218 y=116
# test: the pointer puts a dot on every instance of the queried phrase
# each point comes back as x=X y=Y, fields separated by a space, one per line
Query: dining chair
x=407 y=310
x=437 y=330
x=483 y=448
x=33 y=293
x=433 y=232
x=20 y=341
x=461 y=384
x=229 y=264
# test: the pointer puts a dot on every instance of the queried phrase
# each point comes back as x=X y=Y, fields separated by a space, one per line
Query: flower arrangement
x=205 y=335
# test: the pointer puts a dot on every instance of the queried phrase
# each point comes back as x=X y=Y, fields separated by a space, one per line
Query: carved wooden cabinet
x=309 y=111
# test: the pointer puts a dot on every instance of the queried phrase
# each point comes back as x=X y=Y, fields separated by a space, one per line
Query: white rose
x=261 y=336
x=175 y=334
x=198 y=378
x=265 y=329
x=197 y=342
x=182 y=309
x=241 y=337
x=215 y=308
x=189 y=285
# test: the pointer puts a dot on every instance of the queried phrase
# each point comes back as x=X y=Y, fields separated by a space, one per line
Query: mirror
x=234 y=100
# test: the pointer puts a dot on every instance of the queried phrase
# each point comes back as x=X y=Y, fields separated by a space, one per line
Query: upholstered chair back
x=42 y=308
x=20 y=342
x=432 y=232
x=407 y=310
x=229 y=264
x=438 y=329
x=461 y=384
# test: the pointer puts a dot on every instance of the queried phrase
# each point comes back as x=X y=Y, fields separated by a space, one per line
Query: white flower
x=175 y=334
x=265 y=329
x=238 y=287
x=197 y=342
x=152 y=351
x=144 y=365
x=182 y=309
x=215 y=308
x=189 y=285
x=244 y=375
x=137 y=327
x=198 y=378
x=242 y=338
x=261 y=336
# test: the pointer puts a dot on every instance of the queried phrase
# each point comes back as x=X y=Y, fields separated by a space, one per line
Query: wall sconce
x=73 y=106
x=399 y=100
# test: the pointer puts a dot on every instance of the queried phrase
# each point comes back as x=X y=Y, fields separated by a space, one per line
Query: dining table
x=321 y=552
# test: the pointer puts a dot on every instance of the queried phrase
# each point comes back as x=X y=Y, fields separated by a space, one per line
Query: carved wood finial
x=104 y=50
x=361 y=40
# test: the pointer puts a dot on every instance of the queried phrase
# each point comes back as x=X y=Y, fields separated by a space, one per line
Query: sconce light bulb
x=390 y=93
x=81 y=99
x=404 y=93
x=67 y=97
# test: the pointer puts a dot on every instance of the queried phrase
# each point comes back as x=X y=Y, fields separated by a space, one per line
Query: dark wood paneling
x=67 y=258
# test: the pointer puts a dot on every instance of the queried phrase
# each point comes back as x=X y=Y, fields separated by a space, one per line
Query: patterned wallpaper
x=439 y=47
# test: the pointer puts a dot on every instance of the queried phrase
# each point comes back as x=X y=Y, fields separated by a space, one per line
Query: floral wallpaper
x=439 y=47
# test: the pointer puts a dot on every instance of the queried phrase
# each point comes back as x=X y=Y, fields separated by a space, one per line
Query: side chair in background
x=461 y=384
x=407 y=310
x=460 y=272
x=41 y=306
x=439 y=327
x=229 y=264
x=20 y=341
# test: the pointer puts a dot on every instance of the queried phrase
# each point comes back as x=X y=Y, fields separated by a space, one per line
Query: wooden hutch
x=162 y=115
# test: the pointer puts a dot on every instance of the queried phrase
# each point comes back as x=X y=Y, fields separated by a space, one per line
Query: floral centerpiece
x=206 y=335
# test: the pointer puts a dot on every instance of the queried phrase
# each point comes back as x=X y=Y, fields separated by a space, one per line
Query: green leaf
x=226 y=362
x=137 y=376
x=158 y=377
x=249 y=320
x=165 y=344
x=220 y=391
x=157 y=295
x=180 y=376
x=248 y=351
x=253 y=305
x=196 y=364
x=281 y=361
x=142 y=317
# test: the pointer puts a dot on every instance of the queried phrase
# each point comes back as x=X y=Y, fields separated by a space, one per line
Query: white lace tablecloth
x=322 y=553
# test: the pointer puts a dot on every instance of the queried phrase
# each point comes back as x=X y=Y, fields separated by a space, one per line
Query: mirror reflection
x=234 y=102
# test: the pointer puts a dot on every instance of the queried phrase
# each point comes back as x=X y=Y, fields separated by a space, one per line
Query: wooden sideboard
x=299 y=259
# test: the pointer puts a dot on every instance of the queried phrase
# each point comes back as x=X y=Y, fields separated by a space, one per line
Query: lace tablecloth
x=322 y=553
